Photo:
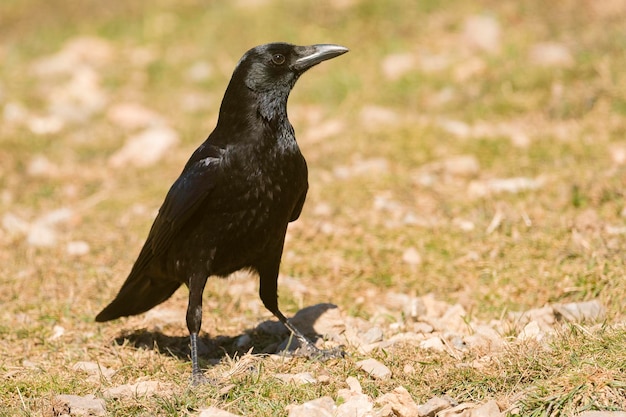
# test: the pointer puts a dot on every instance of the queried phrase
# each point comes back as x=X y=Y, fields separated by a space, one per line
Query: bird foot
x=310 y=351
x=198 y=378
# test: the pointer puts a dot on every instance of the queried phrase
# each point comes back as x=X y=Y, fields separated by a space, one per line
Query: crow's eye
x=278 y=59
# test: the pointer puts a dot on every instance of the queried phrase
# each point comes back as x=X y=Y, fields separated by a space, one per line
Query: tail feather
x=137 y=296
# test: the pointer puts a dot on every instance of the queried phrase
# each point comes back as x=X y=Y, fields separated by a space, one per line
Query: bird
x=231 y=205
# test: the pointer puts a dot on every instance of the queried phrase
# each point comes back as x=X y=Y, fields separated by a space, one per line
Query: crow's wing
x=141 y=291
x=198 y=179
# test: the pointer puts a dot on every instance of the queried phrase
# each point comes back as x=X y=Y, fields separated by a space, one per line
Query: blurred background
x=472 y=150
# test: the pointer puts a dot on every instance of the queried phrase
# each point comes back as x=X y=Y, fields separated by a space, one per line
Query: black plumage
x=231 y=205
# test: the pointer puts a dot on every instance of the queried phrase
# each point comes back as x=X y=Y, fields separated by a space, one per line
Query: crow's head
x=264 y=77
x=278 y=65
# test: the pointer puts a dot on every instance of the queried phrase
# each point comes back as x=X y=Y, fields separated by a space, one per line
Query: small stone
x=461 y=410
x=57 y=332
x=421 y=327
x=354 y=385
x=45 y=125
x=412 y=257
x=354 y=404
x=461 y=165
x=484 y=337
x=454 y=320
x=489 y=409
x=243 y=342
x=161 y=316
x=407 y=337
x=433 y=343
x=133 y=116
x=216 y=412
x=320 y=407
x=455 y=127
x=94 y=370
x=300 y=378
x=500 y=185
x=434 y=307
x=531 y=331
x=584 y=311
x=544 y=317
x=146 y=148
x=482 y=32
x=14 y=224
x=373 y=335
x=433 y=406
x=227 y=389
x=463 y=224
x=87 y=405
x=602 y=414
x=376 y=117
x=42 y=235
x=28 y=364
x=394 y=66
x=618 y=153
x=200 y=71
x=77 y=248
x=323 y=379
x=401 y=402
x=140 y=389
x=374 y=368
x=408 y=369
x=551 y=54
x=40 y=166
x=362 y=167
x=456 y=341
x=323 y=130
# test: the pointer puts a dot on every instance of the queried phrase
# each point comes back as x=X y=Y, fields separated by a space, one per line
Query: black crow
x=231 y=205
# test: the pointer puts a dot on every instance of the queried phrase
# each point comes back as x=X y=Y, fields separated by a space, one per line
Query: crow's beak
x=314 y=54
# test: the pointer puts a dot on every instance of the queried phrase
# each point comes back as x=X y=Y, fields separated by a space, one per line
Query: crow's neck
x=272 y=105
x=249 y=115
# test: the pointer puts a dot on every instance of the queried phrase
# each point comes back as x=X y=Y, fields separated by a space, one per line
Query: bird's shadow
x=267 y=337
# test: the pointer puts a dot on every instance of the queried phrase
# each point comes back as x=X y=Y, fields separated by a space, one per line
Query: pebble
x=77 y=248
x=375 y=334
x=216 y=412
x=411 y=256
x=320 y=407
x=531 y=331
x=489 y=409
x=433 y=406
x=131 y=115
x=353 y=404
x=550 y=54
x=76 y=405
x=482 y=32
x=501 y=185
x=400 y=401
x=300 y=378
x=145 y=148
x=374 y=368
x=354 y=385
x=584 y=311
x=395 y=66
x=140 y=389
x=433 y=343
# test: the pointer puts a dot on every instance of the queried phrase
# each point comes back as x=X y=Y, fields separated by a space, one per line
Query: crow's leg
x=194 y=322
x=268 y=291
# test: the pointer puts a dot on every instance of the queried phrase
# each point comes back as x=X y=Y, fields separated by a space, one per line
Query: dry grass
x=378 y=187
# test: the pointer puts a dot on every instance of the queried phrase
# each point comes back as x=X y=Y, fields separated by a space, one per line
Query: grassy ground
x=377 y=143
